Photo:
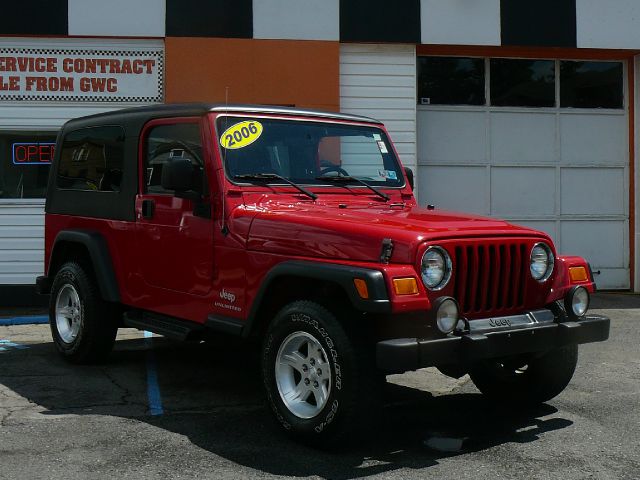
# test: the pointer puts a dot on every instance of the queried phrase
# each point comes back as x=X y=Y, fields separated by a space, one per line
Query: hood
x=356 y=232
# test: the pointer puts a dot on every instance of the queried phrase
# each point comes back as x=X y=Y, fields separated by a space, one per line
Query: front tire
x=530 y=381
x=320 y=382
x=83 y=326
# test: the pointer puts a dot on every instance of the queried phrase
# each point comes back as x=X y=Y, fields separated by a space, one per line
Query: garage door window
x=528 y=83
x=451 y=81
x=591 y=84
x=522 y=83
x=25 y=159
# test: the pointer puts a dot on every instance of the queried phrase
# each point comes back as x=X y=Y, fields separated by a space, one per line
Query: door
x=174 y=243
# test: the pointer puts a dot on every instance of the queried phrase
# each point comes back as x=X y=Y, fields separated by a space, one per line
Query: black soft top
x=120 y=205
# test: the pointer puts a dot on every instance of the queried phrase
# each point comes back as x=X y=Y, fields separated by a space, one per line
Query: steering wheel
x=178 y=145
x=340 y=170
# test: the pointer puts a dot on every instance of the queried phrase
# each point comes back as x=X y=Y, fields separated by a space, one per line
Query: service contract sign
x=83 y=75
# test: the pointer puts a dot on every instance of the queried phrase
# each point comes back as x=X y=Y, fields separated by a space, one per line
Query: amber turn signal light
x=405 y=286
x=578 y=274
x=361 y=287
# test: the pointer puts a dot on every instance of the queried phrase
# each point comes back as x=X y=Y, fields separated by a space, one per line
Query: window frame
x=43 y=130
x=143 y=149
x=248 y=114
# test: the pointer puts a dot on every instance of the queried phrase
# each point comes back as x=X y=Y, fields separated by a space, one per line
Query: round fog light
x=577 y=301
x=447 y=315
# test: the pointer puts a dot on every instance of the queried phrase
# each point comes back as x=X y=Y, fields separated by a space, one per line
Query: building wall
x=277 y=72
x=21 y=242
x=22 y=219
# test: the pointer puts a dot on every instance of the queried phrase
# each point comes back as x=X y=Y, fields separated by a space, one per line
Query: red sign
x=33 y=153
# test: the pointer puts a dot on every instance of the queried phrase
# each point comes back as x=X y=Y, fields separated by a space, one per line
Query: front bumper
x=402 y=354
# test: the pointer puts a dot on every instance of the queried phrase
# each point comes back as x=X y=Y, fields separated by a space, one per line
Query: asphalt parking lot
x=170 y=410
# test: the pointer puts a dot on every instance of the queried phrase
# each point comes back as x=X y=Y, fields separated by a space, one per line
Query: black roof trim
x=196 y=109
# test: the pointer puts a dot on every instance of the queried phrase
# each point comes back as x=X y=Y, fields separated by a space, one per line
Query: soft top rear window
x=92 y=159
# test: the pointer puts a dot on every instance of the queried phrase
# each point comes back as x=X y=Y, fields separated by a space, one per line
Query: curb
x=26 y=320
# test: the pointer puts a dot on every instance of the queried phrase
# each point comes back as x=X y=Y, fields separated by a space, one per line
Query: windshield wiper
x=270 y=176
x=346 y=178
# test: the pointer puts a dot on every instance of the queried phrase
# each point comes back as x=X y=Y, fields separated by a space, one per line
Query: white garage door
x=560 y=170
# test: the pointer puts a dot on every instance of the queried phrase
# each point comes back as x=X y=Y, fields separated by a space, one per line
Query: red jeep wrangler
x=300 y=229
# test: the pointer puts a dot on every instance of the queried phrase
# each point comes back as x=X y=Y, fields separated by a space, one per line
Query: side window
x=164 y=142
x=92 y=159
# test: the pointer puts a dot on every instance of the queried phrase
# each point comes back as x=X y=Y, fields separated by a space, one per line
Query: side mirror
x=409 y=173
x=178 y=175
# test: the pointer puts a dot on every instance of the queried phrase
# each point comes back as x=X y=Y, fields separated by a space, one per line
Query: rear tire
x=321 y=383
x=532 y=382
x=83 y=326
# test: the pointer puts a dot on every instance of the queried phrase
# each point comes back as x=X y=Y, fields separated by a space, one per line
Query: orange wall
x=275 y=72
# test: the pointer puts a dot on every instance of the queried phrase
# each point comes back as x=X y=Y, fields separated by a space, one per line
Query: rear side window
x=92 y=159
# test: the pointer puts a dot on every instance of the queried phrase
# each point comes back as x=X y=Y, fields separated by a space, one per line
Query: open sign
x=33 y=153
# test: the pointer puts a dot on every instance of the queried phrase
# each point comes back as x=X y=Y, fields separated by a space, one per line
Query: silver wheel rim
x=303 y=375
x=68 y=313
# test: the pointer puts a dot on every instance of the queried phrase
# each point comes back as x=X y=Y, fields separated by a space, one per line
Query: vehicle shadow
x=212 y=396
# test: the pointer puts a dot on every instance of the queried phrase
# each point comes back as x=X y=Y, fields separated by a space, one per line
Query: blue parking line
x=153 y=387
x=6 y=346
x=7 y=343
x=25 y=320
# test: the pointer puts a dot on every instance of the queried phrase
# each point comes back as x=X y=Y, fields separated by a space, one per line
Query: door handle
x=148 y=208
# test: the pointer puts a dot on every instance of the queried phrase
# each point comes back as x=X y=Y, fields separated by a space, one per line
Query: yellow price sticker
x=241 y=134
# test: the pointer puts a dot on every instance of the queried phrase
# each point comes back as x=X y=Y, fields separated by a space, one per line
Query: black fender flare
x=98 y=249
x=342 y=275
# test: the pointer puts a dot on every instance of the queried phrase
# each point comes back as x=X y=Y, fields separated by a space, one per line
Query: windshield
x=304 y=152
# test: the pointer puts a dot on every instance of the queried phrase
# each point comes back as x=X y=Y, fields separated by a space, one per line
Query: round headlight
x=435 y=268
x=577 y=301
x=541 y=262
x=447 y=315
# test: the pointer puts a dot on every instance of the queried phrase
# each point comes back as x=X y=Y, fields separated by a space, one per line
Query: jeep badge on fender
x=299 y=229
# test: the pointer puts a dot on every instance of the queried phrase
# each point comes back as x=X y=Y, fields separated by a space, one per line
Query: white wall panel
x=454 y=188
x=22 y=242
x=523 y=137
x=522 y=191
x=588 y=139
x=593 y=191
x=296 y=19
x=460 y=22
x=15 y=116
x=608 y=24
x=117 y=18
x=604 y=244
x=452 y=137
x=379 y=81
x=610 y=249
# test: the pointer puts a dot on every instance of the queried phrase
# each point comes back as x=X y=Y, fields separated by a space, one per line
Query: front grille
x=490 y=278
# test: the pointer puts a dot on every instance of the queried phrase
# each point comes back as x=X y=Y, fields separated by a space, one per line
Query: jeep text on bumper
x=532 y=332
